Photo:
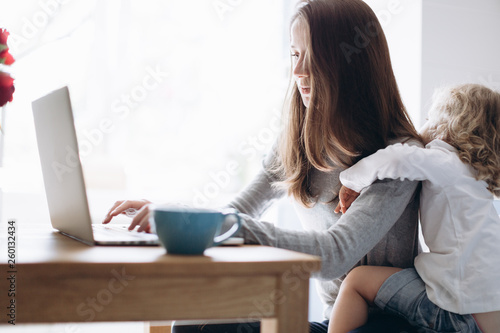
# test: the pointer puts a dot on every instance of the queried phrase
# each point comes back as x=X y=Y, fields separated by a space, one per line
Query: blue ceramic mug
x=183 y=230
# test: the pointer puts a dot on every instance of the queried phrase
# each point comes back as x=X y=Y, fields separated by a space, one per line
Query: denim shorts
x=404 y=294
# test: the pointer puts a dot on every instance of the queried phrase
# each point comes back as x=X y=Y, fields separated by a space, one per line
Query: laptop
x=63 y=177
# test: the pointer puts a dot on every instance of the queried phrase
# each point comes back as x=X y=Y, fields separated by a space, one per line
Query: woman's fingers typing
x=141 y=219
x=109 y=215
x=124 y=206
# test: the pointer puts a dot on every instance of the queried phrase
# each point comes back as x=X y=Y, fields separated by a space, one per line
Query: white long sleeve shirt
x=459 y=222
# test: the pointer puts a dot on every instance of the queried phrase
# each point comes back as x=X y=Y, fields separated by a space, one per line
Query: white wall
x=402 y=24
x=460 y=43
x=440 y=42
x=405 y=47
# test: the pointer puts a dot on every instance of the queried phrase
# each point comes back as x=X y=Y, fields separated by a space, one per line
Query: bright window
x=173 y=100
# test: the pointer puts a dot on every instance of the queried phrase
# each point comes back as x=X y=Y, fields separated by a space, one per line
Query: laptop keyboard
x=114 y=228
x=120 y=234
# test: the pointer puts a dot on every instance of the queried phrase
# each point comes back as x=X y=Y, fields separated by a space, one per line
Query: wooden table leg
x=269 y=325
x=161 y=328
x=292 y=302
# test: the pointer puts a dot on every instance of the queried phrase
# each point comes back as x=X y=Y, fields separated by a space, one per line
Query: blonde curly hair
x=468 y=118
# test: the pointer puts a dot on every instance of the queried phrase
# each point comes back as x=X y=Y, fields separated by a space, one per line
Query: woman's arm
x=259 y=194
x=357 y=232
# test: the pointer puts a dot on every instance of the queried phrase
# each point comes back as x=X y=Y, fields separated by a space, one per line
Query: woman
x=343 y=106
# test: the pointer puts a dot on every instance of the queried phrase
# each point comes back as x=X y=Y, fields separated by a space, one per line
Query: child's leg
x=358 y=290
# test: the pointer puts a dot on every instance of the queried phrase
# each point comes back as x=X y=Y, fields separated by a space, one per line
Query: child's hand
x=346 y=198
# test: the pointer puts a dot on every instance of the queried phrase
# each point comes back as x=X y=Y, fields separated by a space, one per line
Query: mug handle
x=219 y=239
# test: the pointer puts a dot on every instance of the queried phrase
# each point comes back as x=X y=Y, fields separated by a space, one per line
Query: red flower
x=5 y=57
x=3 y=36
x=6 y=81
x=6 y=88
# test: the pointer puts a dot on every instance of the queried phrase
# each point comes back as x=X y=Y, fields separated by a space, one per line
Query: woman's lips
x=305 y=90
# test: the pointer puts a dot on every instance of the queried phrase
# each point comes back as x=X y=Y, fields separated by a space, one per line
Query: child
x=456 y=286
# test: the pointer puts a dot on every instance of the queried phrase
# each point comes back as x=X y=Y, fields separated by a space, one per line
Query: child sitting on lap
x=456 y=286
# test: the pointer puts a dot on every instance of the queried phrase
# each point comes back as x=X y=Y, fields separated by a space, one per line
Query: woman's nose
x=300 y=69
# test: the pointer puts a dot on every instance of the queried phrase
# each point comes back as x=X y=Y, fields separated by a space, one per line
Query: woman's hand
x=141 y=208
x=346 y=198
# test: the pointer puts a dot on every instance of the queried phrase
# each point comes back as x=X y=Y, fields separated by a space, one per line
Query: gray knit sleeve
x=340 y=247
x=259 y=194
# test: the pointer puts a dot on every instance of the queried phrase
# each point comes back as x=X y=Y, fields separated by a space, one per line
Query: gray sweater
x=380 y=228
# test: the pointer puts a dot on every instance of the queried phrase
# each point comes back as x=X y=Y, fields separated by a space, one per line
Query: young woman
x=454 y=287
x=343 y=105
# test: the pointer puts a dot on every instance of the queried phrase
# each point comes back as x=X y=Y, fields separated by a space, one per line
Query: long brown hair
x=355 y=106
x=467 y=117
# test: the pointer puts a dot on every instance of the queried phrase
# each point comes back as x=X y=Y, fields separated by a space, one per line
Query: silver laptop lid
x=61 y=167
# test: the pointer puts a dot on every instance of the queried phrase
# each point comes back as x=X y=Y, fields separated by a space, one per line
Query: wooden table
x=58 y=279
